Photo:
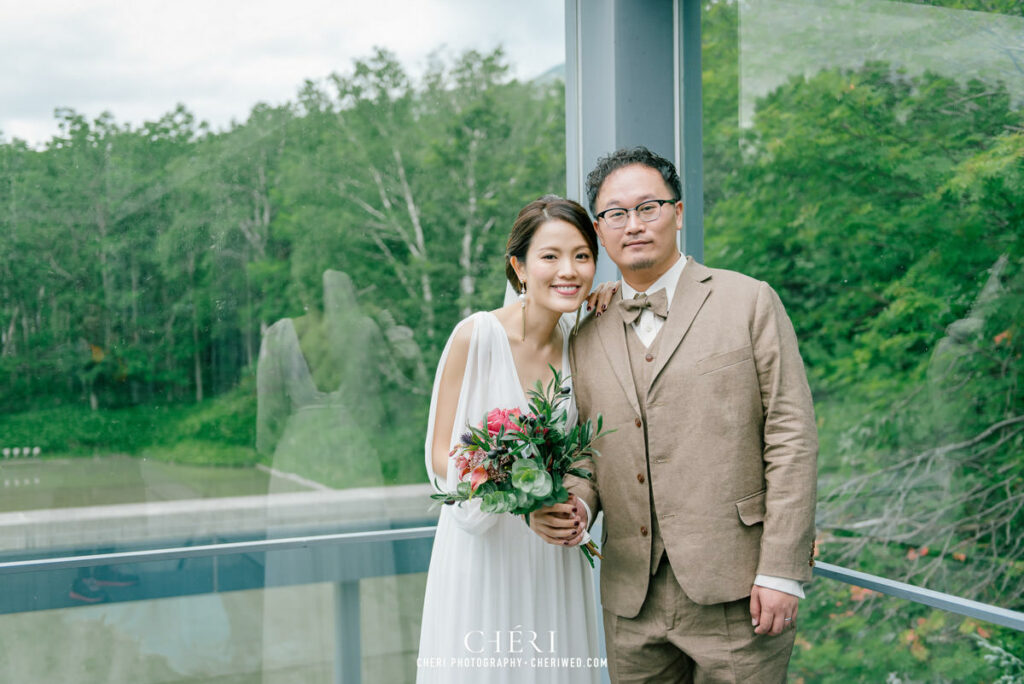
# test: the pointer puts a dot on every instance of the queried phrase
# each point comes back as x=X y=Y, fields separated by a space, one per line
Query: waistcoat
x=641 y=362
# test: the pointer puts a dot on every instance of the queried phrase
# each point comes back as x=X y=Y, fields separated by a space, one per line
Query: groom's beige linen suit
x=714 y=458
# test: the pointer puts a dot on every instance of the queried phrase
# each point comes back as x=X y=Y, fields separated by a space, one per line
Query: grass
x=217 y=432
x=204 y=453
x=221 y=432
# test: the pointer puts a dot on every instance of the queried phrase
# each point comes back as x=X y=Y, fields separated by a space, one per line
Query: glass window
x=865 y=158
x=228 y=265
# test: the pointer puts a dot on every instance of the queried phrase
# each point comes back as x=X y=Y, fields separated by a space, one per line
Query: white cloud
x=219 y=57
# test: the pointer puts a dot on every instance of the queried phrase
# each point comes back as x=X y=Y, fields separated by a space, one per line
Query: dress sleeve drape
x=471 y=409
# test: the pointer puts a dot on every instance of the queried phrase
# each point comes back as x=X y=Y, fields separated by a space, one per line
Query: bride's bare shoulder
x=463 y=332
x=457 y=352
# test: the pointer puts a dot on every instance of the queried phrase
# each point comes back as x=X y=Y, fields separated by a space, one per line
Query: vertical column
x=690 y=157
x=348 y=651
x=632 y=77
x=590 y=88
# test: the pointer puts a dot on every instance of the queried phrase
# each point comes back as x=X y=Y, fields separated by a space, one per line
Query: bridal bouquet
x=516 y=463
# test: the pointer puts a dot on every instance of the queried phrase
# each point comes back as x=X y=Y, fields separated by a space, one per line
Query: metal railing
x=348 y=641
x=936 y=599
x=211 y=550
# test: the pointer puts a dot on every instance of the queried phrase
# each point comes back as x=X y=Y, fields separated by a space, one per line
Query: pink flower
x=502 y=418
x=462 y=463
x=466 y=459
x=479 y=476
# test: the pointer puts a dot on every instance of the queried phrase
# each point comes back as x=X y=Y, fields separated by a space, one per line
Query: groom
x=708 y=482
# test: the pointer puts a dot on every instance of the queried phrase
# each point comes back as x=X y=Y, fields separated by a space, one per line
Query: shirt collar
x=668 y=281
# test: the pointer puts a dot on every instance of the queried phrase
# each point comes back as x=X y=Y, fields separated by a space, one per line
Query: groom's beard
x=640 y=265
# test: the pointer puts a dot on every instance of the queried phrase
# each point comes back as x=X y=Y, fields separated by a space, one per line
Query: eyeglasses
x=648 y=211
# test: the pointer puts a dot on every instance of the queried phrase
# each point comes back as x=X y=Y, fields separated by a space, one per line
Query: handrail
x=928 y=597
x=222 y=549
x=953 y=604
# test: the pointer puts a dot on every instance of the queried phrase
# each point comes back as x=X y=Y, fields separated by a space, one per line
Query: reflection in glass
x=866 y=156
x=221 y=333
x=780 y=39
x=215 y=637
x=319 y=389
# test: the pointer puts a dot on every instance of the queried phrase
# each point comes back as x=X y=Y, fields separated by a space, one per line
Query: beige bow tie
x=632 y=308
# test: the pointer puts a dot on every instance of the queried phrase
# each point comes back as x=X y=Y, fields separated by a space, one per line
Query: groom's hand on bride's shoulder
x=601 y=297
x=563 y=524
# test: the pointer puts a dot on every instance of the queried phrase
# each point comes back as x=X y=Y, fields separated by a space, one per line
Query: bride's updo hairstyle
x=533 y=216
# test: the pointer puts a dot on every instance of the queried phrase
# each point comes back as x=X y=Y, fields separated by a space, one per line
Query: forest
x=141 y=268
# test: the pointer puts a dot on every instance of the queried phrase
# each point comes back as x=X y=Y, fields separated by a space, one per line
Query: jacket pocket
x=715 y=362
x=751 y=508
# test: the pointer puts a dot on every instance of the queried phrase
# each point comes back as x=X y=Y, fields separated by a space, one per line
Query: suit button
x=649 y=357
x=643 y=531
x=640 y=478
x=638 y=422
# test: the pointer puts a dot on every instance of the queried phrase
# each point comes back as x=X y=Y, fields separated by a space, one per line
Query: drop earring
x=522 y=306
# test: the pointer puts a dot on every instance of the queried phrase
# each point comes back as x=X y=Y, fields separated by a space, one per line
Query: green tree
x=420 y=182
x=141 y=265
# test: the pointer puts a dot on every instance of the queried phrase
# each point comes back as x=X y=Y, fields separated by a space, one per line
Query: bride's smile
x=567 y=290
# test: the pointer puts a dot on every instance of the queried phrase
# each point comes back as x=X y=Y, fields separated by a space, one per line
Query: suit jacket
x=732 y=443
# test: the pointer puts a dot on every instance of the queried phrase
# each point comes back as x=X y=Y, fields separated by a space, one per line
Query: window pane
x=220 y=319
x=247 y=293
x=864 y=158
x=299 y=633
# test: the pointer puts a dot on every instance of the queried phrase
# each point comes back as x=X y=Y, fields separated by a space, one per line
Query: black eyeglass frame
x=636 y=210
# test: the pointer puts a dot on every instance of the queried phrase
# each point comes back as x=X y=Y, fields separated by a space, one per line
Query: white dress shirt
x=647 y=327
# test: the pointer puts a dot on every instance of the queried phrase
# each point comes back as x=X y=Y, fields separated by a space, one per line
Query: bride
x=501 y=604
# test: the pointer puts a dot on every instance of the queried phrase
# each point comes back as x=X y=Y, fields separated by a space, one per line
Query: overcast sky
x=139 y=58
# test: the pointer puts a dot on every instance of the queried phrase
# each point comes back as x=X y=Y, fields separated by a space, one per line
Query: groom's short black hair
x=627 y=156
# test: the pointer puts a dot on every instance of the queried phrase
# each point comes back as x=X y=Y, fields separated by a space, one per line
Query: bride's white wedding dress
x=501 y=605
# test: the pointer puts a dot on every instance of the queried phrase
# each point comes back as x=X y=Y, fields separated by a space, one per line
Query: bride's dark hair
x=535 y=214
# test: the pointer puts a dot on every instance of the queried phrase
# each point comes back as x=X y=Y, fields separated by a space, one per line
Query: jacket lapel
x=612 y=333
x=691 y=291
